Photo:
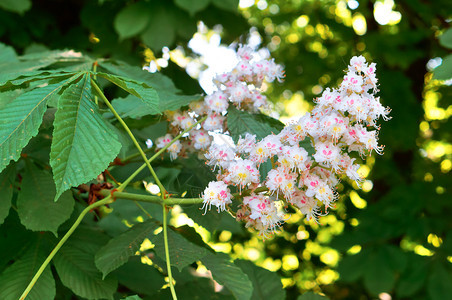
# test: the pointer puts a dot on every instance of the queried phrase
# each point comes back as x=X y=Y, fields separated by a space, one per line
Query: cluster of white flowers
x=241 y=87
x=308 y=156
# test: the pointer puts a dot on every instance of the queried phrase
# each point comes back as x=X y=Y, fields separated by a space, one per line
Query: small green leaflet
x=146 y=93
x=21 y=118
x=83 y=144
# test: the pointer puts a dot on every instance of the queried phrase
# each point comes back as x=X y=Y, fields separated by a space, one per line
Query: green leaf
x=439 y=282
x=6 y=191
x=146 y=93
x=241 y=122
x=20 y=120
x=17 y=276
x=192 y=6
x=445 y=39
x=139 y=277
x=160 y=31
x=169 y=98
x=17 y=6
x=444 y=71
x=181 y=251
x=77 y=271
x=132 y=19
x=131 y=107
x=35 y=205
x=311 y=296
x=83 y=144
x=229 y=275
x=266 y=284
x=119 y=249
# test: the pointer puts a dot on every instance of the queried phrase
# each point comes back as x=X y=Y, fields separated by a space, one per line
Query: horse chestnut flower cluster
x=308 y=156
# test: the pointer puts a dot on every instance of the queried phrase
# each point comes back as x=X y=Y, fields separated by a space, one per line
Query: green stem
x=61 y=242
x=131 y=177
x=168 y=264
x=95 y=77
x=150 y=198
x=132 y=137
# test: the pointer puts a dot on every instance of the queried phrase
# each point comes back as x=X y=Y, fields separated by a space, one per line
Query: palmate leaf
x=20 y=120
x=83 y=144
x=119 y=249
x=266 y=285
x=77 y=271
x=35 y=205
x=229 y=275
x=146 y=93
x=16 y=277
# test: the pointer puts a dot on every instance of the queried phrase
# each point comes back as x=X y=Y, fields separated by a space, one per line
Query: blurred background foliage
x=392 y=239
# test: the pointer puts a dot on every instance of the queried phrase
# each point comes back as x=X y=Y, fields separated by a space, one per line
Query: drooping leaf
x=311 y=296
x=83 y=144
x=169 y=95
x=132 y=19
x=266 y=284
x=77 y=271
x=131 y=107
x=444 y=71
x=17 y=276
x=119 y=249
x=139 y=277
x=181 y=251
x=6 y=191
x=35 y=203
x=192 y=6
x=446 y=39
x=20 y=120
x=226 y=273
x=241 y=122
x=146 y=93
